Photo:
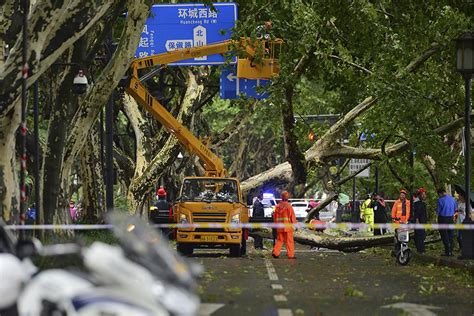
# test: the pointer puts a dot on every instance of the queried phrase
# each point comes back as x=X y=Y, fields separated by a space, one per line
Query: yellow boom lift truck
x=213 y=198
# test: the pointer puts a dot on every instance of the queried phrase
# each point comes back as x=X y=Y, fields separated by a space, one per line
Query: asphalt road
x=329 y=283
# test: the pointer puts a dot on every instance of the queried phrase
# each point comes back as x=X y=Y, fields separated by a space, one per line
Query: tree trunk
x=93 y=103
x=59 y=123
x=54 y=26
x=293 y=153
x=237 y=167
x=93 y=205
x=9 y=185
x=316 y=239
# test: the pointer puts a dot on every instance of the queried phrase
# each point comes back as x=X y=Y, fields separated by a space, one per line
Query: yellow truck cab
x=215 y=205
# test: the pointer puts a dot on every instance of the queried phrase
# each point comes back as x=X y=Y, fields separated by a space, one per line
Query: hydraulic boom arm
x=212 y=164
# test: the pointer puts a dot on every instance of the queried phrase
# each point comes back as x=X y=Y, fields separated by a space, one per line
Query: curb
x=452 y=263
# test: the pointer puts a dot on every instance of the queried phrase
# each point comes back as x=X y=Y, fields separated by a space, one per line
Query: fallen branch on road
x=322 y=240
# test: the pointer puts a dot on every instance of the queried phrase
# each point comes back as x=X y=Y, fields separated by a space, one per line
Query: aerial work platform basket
x=264 y=62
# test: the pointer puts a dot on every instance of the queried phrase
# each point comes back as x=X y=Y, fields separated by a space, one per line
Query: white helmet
x=13 y=275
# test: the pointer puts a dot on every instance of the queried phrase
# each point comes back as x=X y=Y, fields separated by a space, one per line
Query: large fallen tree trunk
x=344 y=244
x=322 y=240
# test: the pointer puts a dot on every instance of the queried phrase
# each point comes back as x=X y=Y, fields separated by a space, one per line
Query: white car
x=300 y=208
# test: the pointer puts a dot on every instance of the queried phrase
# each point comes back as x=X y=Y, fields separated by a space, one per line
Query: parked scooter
x=142 y=276
x=403 y=253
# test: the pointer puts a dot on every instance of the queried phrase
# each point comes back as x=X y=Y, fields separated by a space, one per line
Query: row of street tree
x=387 y=67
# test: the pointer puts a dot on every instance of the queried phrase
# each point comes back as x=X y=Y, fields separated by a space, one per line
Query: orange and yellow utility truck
x=213 y=198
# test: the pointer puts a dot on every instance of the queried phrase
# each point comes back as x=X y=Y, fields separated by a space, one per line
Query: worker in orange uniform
x=284 y=214
x=400 y=215
x=401 y=209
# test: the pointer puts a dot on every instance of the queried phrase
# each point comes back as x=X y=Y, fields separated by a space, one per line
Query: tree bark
x=62 y=110
x=9 y=185
x=125 y=167
x=238 y=163
x=93 y=203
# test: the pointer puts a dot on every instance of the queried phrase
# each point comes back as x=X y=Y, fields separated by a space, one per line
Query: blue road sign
x=175 y=26
x=232 y=87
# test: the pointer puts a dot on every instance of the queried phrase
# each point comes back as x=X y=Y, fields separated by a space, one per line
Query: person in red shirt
x=284 y=214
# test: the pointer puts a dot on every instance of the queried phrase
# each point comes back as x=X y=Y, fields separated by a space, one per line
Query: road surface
x=329 y=283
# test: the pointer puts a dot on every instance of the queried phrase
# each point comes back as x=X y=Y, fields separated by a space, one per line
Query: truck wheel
x=234 y=250
x=184 y=249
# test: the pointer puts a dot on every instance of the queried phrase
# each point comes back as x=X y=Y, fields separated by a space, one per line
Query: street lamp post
x=464 y=64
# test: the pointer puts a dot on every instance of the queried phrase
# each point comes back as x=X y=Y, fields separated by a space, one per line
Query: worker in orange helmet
x=284 y=214
x=400 y=215
x=401 y=209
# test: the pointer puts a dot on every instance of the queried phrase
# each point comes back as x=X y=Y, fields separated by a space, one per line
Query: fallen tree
x=323 y=240
x=342 y=243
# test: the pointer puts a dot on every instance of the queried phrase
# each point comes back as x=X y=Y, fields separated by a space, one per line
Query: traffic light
x=312 y=136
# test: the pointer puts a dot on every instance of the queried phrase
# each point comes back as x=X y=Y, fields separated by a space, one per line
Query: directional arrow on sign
x=231 y=76
x=231 y=87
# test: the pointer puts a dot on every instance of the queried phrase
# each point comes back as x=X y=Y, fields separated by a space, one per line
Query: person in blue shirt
x=447 y=206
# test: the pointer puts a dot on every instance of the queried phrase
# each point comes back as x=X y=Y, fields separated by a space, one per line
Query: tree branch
x=47 y=41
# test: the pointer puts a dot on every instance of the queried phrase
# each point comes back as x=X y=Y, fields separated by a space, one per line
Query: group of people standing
x=448 y=211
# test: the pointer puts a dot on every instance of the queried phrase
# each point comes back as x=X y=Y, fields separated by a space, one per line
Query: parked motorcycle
x=140 y=276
